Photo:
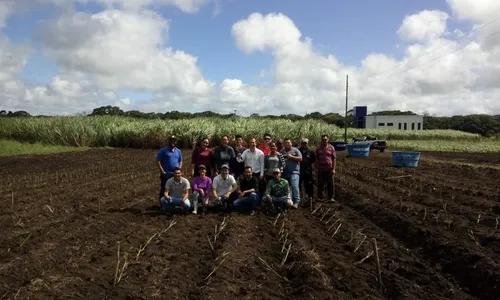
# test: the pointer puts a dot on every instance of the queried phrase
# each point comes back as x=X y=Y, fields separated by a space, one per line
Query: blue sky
x=349 y=30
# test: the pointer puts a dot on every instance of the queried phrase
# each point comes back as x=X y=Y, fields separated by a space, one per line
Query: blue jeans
x=281 y=201
x=196 y=198
x=251 y=201
x=175 y=201
x=294 y=182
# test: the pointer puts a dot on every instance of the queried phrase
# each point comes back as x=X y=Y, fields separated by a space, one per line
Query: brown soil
x=64 y=216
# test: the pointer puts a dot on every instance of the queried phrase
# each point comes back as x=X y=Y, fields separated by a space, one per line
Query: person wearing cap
x=291 y=171
x=277 y=191
x=202 y=187
x=248 y=186
x=306 y=168
x=167 y=160
x=223 y=186
x=176 y=192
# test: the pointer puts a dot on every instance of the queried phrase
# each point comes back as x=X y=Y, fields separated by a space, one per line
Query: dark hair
x=227 y=136
x=177 y=169
x=248 y=167
x=266 y=134
x=272 y=144
x=287 y=139
x=238 y=136
x=324 y=136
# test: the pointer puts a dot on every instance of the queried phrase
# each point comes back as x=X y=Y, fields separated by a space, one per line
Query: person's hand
x=333 y=171
x=241 y=195
x=227 y=195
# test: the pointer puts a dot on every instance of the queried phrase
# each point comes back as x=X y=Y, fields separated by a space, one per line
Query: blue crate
x=358 y=150
x=405 y=159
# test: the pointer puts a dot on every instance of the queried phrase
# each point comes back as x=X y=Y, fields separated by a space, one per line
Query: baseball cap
x=201 y=167
x=276 y=170
x=305 y=140
x=172 y=137
x=225 y=166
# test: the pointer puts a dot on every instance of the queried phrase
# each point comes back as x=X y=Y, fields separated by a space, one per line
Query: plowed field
x=85 y=226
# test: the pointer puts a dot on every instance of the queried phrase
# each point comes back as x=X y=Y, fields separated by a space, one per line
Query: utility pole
x=346 y=100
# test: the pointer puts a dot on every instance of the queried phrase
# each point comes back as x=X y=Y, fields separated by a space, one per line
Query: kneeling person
x=202 y=185
x=223 y=186
x=248 y=185
x=176 y=192
x=278 y=190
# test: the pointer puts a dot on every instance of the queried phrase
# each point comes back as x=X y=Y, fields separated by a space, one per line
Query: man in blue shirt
x=167 y=160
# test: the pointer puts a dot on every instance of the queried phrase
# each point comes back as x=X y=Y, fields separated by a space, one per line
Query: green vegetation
x=8 y=147
x=115 y=131
x=479 y=146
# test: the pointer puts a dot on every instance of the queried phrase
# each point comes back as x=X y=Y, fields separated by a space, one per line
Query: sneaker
x=252 y=213
x=194 y=212
x=332 y=200
x=295 y=206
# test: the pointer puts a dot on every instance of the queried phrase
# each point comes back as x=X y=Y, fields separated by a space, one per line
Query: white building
x=401 y=122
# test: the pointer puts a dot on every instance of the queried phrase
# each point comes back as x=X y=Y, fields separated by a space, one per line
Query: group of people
x=245 y=178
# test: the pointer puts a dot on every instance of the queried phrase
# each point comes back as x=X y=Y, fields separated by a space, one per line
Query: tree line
x=485 y=125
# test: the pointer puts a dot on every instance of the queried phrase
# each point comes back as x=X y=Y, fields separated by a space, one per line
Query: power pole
x=346 y=100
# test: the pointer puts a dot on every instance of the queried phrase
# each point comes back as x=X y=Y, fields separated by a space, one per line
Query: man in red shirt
x=325 y=167
x=265 y=147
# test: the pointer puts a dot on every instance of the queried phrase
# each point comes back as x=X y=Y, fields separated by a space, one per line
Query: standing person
x=248 y=186
x=223 y=187
x=203 y=155
x=272 y=161
x=254 y=158
x=202 y=187
x=306 y=168
x=176 y=192
x=223 y=154
x=167 y=159
x=237 y=168
x=279 y=144
x=326 y=159
x=265 y=146
x=291 y=172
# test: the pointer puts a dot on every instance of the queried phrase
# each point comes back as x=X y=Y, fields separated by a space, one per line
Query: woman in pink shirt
x=202 y=186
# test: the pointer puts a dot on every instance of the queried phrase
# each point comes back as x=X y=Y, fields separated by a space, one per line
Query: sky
x=65 y=57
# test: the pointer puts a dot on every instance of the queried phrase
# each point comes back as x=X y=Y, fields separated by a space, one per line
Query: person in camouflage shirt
x=278 y=191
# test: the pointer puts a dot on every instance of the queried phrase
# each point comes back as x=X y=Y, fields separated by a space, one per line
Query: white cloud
x=425 y=25
x=126 y=46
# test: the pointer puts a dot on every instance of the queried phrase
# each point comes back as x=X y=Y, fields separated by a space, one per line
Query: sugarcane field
x=86 y=225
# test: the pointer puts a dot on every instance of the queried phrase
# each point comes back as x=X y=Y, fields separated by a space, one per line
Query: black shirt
x=248 y=184
x=308 y=159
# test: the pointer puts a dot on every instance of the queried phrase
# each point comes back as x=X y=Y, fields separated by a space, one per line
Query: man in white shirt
x=224 y=187
x=254 y=158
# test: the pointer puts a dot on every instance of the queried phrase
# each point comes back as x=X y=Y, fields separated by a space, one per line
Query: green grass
x=8 y=148
x=117 y=131
x=479 y=146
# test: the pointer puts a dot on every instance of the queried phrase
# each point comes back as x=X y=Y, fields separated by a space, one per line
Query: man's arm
x=158 y=164
x=214 y=187
x=261 y=161
x=334 y=160
x=180 y=158
x=297 y=156
x=242 y=157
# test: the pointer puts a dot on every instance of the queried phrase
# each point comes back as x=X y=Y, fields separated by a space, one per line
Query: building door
x=419 y=126
x=399 y=126
x=406 y=126
x=412 y=126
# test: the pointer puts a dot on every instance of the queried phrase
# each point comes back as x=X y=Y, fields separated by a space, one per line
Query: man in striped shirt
x=325 y=167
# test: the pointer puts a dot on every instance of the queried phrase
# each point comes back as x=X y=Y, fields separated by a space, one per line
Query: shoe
x=194 y=212
x=252 y=213
x=295 y=206
x=332 y=200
